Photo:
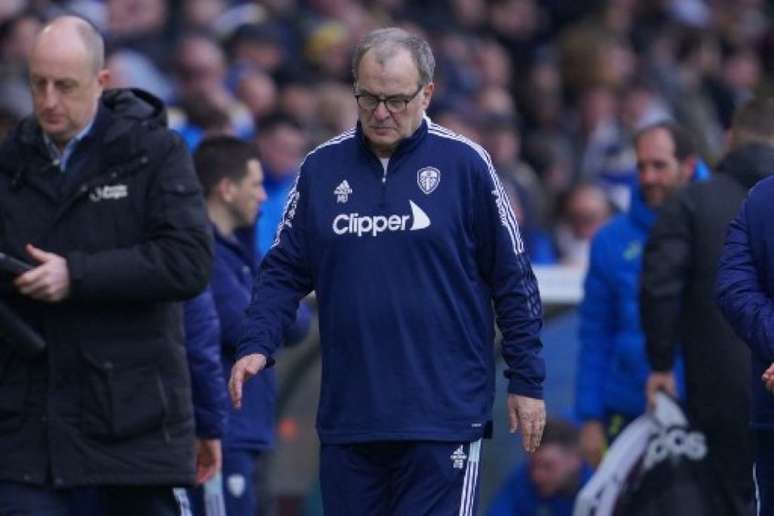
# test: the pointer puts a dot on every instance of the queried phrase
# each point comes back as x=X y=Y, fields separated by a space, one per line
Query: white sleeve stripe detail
x=508 y=218
x=502 y=197
x=287 y=211
x=468 y=496
x=287 y=217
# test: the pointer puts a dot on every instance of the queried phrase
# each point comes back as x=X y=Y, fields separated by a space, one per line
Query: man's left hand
x=209 y=459
x=49 y=281
x=529 y=414
x=768 y=378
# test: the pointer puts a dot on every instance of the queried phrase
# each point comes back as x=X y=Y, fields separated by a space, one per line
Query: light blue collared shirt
x=62 y=157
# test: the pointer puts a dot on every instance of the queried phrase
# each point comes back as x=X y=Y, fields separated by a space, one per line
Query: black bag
x=658 y=466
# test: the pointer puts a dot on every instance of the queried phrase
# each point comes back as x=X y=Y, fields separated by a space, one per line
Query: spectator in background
x=17 y=35
x=103 y=201
x=548 y=482
x=200 y=70
x=257 y=91
x=582 y=211
x=130 y=69
x=676 y=301
x=605 y=153
x=233 y=179
x=335 y=110
x=612 y=369
x=140 y=25
x=282 y=145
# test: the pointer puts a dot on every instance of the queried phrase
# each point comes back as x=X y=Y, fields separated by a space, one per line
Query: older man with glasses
x=405 y=233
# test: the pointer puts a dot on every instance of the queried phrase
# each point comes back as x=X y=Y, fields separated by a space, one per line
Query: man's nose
x=381 y=112
x=647 y=176
x=50 y=97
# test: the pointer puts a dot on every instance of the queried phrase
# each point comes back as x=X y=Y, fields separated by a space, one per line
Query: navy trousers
x=401 y=478
x=764 y=472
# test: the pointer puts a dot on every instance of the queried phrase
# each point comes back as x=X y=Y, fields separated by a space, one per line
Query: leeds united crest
x=428 y=179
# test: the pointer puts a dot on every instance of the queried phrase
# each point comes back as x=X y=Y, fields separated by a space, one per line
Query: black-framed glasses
x=394 y=103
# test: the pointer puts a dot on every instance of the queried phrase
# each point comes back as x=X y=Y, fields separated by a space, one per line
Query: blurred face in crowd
x=398 y=113
x=660 y=172
x=19 y=42
x=201 y=67
x=282 y=148
x=587 y=211
x=245 y=197
x=64 y=82
x=554 y=470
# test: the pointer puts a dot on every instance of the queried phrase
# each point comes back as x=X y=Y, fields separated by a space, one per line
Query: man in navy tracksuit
x=232 y=179
x=745 y=294
x=404 y=232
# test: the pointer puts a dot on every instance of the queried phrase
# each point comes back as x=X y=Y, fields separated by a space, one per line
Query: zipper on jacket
x=384 y=182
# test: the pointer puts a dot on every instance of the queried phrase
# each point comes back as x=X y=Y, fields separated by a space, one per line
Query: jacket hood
x=135 y=104
x=749 y=164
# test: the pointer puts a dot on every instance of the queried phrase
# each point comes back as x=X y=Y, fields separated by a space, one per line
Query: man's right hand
x=593 y=442
x=660 y=381
x=244 y=369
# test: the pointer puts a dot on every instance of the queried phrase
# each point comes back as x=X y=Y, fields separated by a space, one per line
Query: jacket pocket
x=13 y=388
x=120 y=403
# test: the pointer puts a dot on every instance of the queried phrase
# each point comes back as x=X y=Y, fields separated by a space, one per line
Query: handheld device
x=14 y=266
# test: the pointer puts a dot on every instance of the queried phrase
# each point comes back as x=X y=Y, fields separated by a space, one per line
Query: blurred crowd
x=552 y=89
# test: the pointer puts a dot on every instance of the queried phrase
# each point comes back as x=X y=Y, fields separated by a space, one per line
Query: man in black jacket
x=677 y=303
x=102 y=199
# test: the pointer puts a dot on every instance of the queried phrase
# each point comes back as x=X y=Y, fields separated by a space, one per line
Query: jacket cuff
x=209 y=433
x=76 y=268
x=245 y=350
x=661 y=362
x=522 y=388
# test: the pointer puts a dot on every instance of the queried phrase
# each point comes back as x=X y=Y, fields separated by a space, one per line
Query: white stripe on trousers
x=182 y=501
x=468 y=498
x=757 y=492
x=214 y=504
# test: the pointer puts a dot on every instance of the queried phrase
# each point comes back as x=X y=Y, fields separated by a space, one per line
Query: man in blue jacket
x=612 y=367
x=403 y=230
x=208 y=386
x=232 y=179
x=745 y=294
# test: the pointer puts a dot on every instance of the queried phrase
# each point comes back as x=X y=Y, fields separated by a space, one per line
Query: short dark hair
x=753 y=122
x=562 y=433
x=275 y=120
x=685 y=146
x=222 y=156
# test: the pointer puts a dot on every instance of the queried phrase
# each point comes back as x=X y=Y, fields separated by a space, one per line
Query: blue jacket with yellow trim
x=410 y=265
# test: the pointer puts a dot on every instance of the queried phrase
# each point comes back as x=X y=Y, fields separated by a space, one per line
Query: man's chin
x=56 y=132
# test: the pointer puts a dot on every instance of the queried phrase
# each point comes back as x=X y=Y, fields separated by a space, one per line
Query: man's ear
x=225 y=190
x=427 y=94
x=103 y=78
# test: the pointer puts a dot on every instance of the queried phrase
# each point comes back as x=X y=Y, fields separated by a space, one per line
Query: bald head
x=67 y=77
x=72 y=30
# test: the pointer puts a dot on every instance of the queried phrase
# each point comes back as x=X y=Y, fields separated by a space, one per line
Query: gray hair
x=386 y=42
x=95 y=45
